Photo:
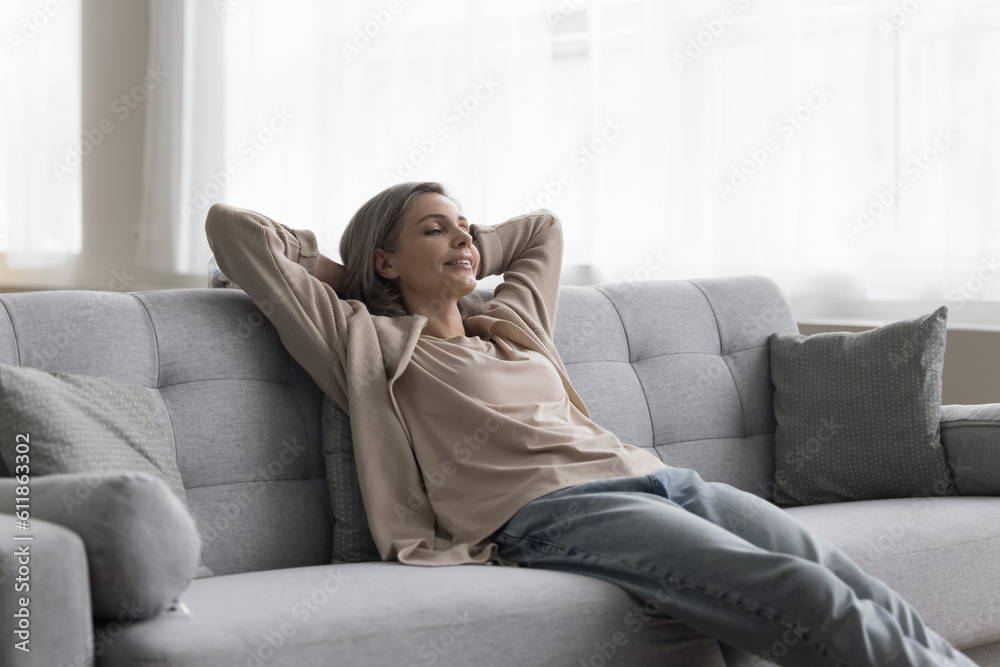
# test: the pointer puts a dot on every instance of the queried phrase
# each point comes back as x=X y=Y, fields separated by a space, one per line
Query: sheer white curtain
x=843 y=148
x=42 y=145
x=185 y=115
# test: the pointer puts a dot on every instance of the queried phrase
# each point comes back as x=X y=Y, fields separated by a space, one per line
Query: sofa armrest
x=142 y=546
x=971 y=438
x=52 y=579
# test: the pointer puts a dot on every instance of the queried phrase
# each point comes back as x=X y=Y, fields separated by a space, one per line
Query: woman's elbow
x=218 y=216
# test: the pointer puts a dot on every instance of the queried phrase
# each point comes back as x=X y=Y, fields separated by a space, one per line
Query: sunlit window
x=42 y=145
x=843 y=148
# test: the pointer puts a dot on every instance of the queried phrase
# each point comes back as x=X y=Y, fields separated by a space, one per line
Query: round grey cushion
x=142 y=543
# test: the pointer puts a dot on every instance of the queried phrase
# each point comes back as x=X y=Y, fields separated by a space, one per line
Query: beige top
x=492 y=428
x=356 y=357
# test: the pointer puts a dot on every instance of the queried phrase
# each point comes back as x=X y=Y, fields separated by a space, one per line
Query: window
x=42 y=144
x=842 y=148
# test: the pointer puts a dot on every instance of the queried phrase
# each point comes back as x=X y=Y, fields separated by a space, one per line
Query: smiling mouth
x=464 y=264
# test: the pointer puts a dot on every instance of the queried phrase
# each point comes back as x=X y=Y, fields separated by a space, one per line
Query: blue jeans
x=728 y=564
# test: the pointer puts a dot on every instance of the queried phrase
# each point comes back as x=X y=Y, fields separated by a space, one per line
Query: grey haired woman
x=470 y=439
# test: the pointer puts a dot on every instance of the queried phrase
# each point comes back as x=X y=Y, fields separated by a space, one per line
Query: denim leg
x=763 y=524
x=786 y=607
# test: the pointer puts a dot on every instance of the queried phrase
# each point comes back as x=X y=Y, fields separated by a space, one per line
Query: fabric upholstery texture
x=698 y=393
x=681 y=367
x=913 y=544
x=971 y=436
x=74 y=423
x=59 y=602
x=858 y=414
x=141 y=543
x=242 y=416
x=931 y=550
x=352 y=540
x=377 y=614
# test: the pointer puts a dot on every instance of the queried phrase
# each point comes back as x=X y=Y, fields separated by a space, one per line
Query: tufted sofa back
x=681 y=367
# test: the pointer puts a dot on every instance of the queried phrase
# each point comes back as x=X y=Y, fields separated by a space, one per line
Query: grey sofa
x=680 y=367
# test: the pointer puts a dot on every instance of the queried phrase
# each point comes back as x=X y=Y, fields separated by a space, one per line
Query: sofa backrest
x=681 y=367
x=240 y=412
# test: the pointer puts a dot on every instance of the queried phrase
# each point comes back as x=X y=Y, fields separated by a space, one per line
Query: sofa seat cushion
x=380 y=613
x=941 y=554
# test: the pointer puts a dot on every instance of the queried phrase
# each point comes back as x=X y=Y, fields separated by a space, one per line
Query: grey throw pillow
x=83 y=424
x=858 y=414
x=142 y=544
x=352 y=539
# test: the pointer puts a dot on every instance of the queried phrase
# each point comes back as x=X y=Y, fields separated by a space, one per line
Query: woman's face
x=433 y=234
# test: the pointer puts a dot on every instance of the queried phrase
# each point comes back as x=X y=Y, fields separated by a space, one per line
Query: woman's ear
x=383 y=265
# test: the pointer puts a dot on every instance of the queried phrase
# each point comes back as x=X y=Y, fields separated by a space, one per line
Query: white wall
x=971 y=364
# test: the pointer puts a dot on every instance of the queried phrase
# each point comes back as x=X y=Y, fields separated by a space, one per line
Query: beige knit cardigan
x=354 y=357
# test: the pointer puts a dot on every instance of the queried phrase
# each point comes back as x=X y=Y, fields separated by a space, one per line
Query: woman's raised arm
x=282 y=270
x=528 y=251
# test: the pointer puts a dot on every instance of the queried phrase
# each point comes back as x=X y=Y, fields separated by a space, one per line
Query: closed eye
x=431 y=231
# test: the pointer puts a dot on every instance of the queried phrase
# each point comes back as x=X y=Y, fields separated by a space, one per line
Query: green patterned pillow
x=858 y=414
x=84 y=424
x=352 y=539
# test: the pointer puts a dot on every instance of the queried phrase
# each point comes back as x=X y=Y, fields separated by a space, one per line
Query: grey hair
x=377 y=224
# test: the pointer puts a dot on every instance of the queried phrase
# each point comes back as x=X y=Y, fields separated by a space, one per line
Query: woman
x=473 y=447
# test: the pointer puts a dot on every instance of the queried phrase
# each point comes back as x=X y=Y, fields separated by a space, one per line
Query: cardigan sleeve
x=528 y=251
x=276 y=266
